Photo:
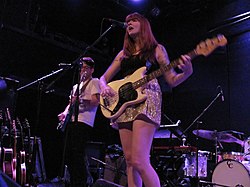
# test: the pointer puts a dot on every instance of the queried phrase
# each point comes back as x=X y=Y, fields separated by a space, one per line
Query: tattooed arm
x=113 y=69
x=172 y=77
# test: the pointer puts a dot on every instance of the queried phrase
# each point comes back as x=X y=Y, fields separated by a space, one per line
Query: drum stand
x=217 y=146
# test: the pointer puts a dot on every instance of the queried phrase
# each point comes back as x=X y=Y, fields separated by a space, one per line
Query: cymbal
x=239 y=135
x=222 y=136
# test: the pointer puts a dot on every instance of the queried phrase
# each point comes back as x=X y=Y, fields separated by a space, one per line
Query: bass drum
x=230 y=173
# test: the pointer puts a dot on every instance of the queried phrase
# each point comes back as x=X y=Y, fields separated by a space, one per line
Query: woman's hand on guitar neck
x=185 y=65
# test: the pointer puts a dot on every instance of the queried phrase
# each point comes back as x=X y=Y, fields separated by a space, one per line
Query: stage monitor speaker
x=105 y=183
x=6 y=181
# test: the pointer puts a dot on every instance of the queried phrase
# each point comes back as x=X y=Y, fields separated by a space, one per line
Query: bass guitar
x=128 y=91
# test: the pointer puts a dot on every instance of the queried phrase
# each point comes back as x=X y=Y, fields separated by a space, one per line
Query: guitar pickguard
x=126 y=93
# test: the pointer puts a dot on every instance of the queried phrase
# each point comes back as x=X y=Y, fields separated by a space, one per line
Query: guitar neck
x=15 y=138
x=157 y=73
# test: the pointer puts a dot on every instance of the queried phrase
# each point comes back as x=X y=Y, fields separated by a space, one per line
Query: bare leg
x=143 y=133
x=136 y=146
x=134 y=179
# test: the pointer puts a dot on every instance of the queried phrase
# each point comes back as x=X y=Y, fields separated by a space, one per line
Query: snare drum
x=230 y=173
x=231 y=155
x=190 y=164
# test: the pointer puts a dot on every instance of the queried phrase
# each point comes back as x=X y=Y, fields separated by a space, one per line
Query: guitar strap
x=84 y=86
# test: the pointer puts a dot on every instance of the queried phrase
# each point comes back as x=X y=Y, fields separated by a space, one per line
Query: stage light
x=136 y=1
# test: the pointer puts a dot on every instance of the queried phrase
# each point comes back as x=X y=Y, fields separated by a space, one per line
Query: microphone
x=123 y=25
x=64 y=65
x=222 y=95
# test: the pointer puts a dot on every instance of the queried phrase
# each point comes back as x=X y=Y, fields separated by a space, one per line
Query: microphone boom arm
x=202 y=113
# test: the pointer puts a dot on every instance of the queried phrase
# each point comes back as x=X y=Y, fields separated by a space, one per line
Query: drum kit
x=208 y=168
x=231 y=169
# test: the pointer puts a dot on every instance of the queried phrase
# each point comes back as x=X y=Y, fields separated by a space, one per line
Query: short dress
x=151 y=107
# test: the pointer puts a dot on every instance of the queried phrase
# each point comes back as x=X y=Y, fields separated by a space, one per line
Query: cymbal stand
x=196 y=121
x=216 y=148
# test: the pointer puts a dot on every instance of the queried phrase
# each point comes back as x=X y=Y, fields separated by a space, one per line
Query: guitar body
x=23 y=169
x=7 y=161
x=62 y=124
x=125 y=95
x=14 y=169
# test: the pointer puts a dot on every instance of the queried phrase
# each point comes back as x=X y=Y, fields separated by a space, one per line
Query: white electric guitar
x=129 y=90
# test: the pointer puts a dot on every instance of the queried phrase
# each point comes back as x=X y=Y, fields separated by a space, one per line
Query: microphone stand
x=77 y=66
x=220 y=94
x=32 y=174
x=76 y=107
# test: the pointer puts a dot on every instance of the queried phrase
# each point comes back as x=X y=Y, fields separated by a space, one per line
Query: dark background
x=36 y=36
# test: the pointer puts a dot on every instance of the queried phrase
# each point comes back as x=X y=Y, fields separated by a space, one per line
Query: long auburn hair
x=146 y=39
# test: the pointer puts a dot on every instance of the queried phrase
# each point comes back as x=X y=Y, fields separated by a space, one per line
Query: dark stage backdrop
x=27 y=57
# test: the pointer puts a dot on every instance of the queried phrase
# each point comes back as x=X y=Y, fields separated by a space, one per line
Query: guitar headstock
x=209 y=45
x=18 y=122
x=26 y=123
